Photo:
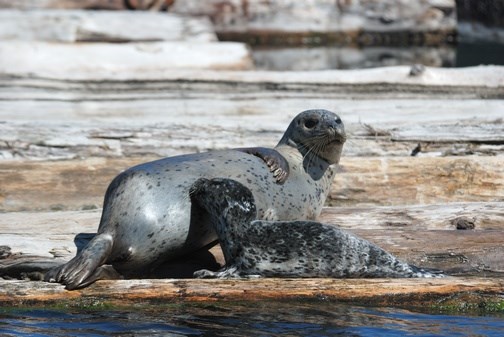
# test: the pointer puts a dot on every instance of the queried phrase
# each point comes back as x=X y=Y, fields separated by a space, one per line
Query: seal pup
x=148 y=217
x=287 y=248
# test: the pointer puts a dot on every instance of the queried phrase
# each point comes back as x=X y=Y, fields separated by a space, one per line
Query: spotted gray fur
x=149 y=218
x=288 y=248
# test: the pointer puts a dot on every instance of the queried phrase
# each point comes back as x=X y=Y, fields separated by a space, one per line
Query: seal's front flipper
x=275 y=161
x=82 y=270
x=105 y=272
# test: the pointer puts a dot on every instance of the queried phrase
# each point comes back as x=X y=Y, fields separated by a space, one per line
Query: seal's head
x=317 y=132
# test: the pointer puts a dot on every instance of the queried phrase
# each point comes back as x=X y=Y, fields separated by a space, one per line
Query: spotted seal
x=287 y=248
x=148 y=216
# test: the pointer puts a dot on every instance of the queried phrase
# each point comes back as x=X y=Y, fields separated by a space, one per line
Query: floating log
x=409 y=293
x=103 y=26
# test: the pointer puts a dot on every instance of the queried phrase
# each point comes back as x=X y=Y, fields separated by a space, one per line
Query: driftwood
x=103 y=26
x=118 y=58
x=94 y=83
x=220 y=108
x=293 y=22
x=287 y=17
x=426 y=293
x=460 y=238
x=126 y=107
x=133 y=136
x=396 y=181
x=81 y=184
x=63 y=4
x=153 y=5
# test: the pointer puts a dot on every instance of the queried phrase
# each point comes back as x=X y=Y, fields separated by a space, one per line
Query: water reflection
x=465 y=54
x=252 y=319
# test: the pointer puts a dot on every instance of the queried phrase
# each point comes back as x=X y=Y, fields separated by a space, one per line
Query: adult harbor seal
x=287 y=248
x=148 y=216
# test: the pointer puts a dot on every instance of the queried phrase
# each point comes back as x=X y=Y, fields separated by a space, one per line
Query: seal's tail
x=86 y=267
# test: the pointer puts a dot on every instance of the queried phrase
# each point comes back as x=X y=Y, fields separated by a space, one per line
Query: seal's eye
x=311 y=123
x=338 y=120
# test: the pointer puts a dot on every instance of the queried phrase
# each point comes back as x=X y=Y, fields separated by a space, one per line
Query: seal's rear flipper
x=83 y=269
x=275 y=161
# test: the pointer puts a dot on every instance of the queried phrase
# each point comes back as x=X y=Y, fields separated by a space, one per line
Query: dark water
x=464 y=54
x=254 y=319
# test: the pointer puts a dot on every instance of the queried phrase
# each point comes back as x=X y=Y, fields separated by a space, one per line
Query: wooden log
x=410 y=293
x=471 y=132
x=59 y=228
x=436 y=217
x=153 y=5
x=132 y=58
x=410 y=180
x=98 y=83
x=324 y=22
x=88 y=180
x=228 y=113
x=460 y=238
x=102 y=26
x=63 y=4
x=81 y=184
x=81 y=138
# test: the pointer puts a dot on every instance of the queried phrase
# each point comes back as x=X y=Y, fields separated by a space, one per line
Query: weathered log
x=460 y=238
x=81 y=184
x=153 y=5
x=425 y=293
x=126 y=110
x=204 y=131
x=321 y=22
x=129 y=58
x=436 y=217
x=410 y=180
x=386 y=82
x=63 y=4
x=102 y=26
x=459 y=132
